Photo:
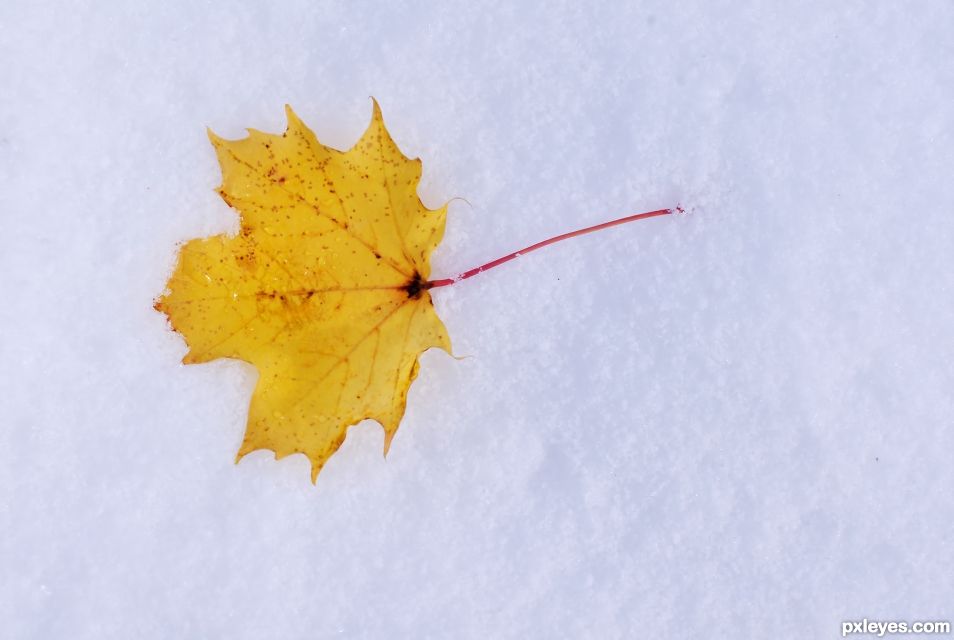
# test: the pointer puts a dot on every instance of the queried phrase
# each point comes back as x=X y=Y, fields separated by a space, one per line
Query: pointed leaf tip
x=290 y=116
x=376 y=110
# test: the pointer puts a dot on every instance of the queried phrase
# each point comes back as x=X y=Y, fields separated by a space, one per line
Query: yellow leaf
x=323 y=290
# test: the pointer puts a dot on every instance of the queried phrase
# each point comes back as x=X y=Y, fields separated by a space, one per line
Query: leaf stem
x=432 y=284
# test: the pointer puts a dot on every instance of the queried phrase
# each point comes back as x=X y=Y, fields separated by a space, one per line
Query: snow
x=735 y=423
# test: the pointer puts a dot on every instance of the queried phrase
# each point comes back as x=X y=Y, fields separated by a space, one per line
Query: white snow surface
x=734 y=423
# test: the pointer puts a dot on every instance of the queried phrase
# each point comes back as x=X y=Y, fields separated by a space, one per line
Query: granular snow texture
x=735 y=423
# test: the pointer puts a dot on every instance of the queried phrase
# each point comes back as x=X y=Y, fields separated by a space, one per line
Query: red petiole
x=572 y=234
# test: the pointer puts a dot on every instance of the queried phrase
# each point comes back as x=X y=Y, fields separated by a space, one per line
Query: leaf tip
x=291 y=117
x=388 y=437
x=246 y=448
x=213 y=137
x=317 y=464
x=376 y=110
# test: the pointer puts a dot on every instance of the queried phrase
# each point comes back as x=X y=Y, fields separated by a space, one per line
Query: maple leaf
x=324 y=289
